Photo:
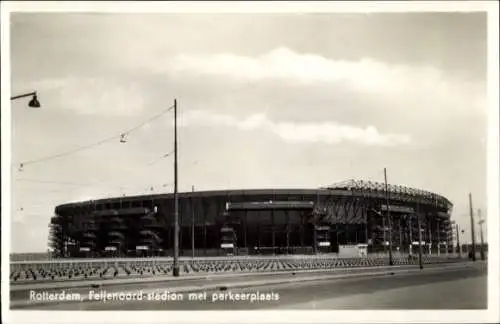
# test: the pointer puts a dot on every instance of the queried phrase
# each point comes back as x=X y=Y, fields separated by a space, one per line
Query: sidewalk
x=204 y=287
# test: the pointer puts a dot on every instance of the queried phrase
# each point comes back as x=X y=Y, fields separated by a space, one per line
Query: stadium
x=344 y=218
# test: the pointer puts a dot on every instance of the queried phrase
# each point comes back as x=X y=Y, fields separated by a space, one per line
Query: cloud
x=400 y=86
x=295 y=132
x=92 y=95
x=283 y=63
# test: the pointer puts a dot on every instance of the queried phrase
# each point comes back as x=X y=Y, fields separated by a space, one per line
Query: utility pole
x=420 y=262
x=430 y=235
x=472 y=229
x=192 y=221
x=481 y=221
x=176 y=200
x=400 y=235
x=439 y=237
x=410 y=235
x=458 y=241
x=365 y=214
x=384 y=228
x=388 y=218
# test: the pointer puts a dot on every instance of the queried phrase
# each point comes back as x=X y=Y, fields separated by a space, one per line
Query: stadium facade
x=246 y=222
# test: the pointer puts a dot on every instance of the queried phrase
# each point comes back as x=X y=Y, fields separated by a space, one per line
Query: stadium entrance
x=272 y=227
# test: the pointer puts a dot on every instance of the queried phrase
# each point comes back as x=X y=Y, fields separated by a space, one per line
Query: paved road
x=451 y=288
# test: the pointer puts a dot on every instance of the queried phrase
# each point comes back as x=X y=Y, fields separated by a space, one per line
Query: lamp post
x=410 y=234
x=388 y=218
x=33 y=103
x=473 y=248
x=481 y=221
x=175 y=269
x=459 y=248
x=438 y=237
x=429 y=235
x=420 y=262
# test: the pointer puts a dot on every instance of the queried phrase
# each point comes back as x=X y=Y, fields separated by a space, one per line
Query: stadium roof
x=379 y=186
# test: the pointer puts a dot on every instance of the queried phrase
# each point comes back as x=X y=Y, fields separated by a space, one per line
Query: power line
x=149 y=120
x=120 y=136
x=132 y=171
x=161 y=158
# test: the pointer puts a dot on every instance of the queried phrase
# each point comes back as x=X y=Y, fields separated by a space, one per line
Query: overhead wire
x=161 y=158
x=133 y=171
x=120 y=136
x=73 y=186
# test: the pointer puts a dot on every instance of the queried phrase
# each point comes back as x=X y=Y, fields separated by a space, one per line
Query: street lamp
x=33 y=103
x=438 y=223
x=420 y=263
x=459 y=248
x=472 y=229
x=175 y=269
x=481 y=221
x=388 y=218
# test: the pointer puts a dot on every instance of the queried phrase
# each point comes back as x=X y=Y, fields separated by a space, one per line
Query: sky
x=264 y=100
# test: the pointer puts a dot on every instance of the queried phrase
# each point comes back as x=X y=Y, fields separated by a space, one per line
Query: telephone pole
x=472 y=229
x=481 y=221
x=420 y=261
x=458 y=241
x=388 y=218
x=176 y=200
x=438 y=237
